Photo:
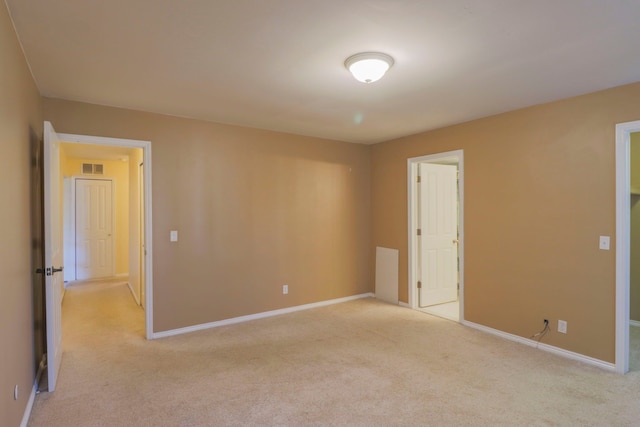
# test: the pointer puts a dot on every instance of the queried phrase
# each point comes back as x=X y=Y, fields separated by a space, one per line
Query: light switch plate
x=604 y=243
x=173 y=236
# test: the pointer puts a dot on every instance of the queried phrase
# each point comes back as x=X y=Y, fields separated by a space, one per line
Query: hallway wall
x=20 y=127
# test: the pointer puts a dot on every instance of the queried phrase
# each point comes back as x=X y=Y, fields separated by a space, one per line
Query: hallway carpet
x=360 y=363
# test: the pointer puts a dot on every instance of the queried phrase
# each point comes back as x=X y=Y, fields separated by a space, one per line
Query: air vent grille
x=92 y=169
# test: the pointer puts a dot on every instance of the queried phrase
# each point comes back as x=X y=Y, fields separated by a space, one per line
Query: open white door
x=439 y=234
x=53 y=252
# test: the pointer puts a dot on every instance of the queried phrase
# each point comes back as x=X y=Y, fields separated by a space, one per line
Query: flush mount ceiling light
x=368 y=67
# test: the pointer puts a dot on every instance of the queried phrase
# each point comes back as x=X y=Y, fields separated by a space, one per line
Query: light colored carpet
x=361 y=363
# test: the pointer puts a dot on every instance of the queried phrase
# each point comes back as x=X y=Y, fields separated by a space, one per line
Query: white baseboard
x=546 y=347
x=135 y=297
x=27 y=411
x=400 y=303
x=634 y=323
x=256 y=316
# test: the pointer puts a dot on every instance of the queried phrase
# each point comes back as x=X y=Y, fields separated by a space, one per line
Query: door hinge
x=419 y=179
x=419 y=232
x=419 y=284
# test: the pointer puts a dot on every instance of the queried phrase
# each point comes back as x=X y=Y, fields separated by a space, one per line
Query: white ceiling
x=278 y=64
x=96 y=152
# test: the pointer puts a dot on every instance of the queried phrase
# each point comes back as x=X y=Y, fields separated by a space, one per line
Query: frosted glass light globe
x=368 y=67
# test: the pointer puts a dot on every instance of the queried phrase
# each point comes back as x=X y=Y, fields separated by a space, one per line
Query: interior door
x=94 y=228
x=53 y=252
x=438 y=213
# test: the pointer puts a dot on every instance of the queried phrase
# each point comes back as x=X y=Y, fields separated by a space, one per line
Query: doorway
x=435 y=195
x=139 y=212
x=98 y=212
x=623 y=242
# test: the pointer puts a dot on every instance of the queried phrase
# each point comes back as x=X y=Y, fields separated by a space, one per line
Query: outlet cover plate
x=562 y=326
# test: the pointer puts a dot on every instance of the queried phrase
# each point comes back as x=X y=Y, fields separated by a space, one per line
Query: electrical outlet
x=562 y=326
x=604 y=243
x=285 y=289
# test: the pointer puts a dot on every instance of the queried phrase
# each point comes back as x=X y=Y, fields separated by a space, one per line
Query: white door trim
x=114 y=229
x=142 y=236
x=623 y=230
x=146 y=158
x=412 y=163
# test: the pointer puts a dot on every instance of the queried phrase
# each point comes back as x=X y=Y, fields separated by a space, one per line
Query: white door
x=94 y=227
x=438 y=222
x=53 y=252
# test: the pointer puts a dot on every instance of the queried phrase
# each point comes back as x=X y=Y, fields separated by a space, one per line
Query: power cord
x=542 y=333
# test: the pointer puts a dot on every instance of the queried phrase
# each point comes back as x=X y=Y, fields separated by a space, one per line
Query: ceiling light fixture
x=368 y=67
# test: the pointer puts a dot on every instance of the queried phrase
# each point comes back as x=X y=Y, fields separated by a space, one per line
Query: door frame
x=623 y=234
x=449 y=157
x=114 y=231
x=143 y=243
x=146 y=158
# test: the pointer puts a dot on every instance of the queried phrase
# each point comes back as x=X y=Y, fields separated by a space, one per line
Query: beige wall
x=119 y=172
x=539 y=190
x=254 y=210
x=20 y=123
x=635 y=229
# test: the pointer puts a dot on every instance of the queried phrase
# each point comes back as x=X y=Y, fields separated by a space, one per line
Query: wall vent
x=92 y=169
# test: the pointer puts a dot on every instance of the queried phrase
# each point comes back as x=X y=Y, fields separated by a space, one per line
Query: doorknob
x=49 y=271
